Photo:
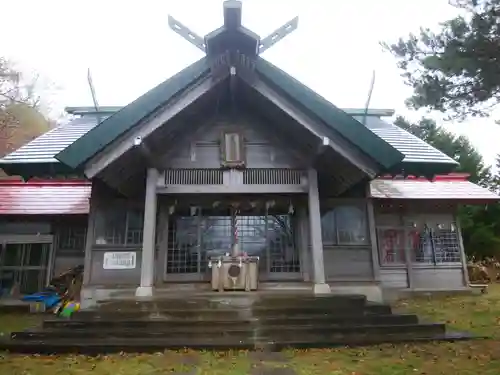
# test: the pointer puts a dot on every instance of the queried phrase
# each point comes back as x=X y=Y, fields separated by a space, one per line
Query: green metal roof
x=76 y=154
x=375 y=147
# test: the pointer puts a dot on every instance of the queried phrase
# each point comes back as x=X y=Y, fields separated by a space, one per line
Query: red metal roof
x=446 y=187
x=44 y=197
x=444 y=177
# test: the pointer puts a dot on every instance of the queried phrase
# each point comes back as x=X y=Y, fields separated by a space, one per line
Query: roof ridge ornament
x=232 y=45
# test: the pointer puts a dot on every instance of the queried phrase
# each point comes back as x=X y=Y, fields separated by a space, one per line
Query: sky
x=129 y=48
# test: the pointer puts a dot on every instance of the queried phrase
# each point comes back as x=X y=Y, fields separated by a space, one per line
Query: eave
x=42 y=169
x=122 y=121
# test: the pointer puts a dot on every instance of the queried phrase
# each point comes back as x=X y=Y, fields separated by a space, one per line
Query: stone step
x=166 y=323
x=227 y=314
x=237 y=302
x=276 y=333
x=151 y=345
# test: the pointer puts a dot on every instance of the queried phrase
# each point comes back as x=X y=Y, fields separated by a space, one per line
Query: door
x=196 y=236
x=25 y=265
x=281 y=251
x=193 y=238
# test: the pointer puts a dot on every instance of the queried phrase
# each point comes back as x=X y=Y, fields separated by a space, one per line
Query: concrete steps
x=224 y=323
x=172 y=324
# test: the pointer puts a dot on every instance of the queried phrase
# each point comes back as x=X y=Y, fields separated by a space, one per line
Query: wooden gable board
x=379 y=150
x=76 y=154
x=122 y=121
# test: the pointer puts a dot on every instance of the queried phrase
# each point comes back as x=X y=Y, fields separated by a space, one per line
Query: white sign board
x=119 y=260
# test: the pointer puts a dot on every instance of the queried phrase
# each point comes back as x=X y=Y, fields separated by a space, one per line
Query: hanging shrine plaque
x=119 y=260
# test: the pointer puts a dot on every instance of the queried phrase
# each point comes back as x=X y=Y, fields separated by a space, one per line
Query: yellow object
x=69 y=308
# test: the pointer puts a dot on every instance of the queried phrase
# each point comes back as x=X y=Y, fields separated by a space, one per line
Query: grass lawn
x=479 y=314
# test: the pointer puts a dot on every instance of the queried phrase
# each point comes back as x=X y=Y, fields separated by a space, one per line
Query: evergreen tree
x=456 y=69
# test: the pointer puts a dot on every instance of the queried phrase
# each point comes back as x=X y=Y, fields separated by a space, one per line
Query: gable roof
x=378 y=149
x=76 y=154
x=45 y=148
x=393 y=148
x=126 y=118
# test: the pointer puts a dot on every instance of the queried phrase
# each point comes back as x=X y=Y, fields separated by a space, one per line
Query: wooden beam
x=149 y=236
x=373 y=239
x=148 y=155
x=114 y=151
x=232 y=14
x=338 y=144
x=463 y=256
x=278 y=34
x=232 y=189
x=323 y=146
x=89 y=238
x=318 y=263
x=407 y=252
x=186 y=33
x=303 y=241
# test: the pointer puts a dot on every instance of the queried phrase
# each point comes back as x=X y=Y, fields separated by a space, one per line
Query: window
x=71 y=238
x=345 y=225
x=232 y=150
x=425 y=243
x=119 y=225
x=439 y=243
x=392 y=245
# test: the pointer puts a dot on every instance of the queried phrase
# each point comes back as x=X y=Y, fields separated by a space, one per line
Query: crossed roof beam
x=232 y=20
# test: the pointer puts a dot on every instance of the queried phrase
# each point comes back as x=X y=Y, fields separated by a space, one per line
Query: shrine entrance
x=264 y=228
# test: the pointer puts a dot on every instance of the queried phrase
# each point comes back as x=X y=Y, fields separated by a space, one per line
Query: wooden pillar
x=303 y=242
x=408 y=252
x=320 y=286
x=148 y=241
x=463 y=257
x=89 y=238
x=162 y=241
x=373 y=239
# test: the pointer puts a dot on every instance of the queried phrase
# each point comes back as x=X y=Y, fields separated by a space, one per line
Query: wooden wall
x=419 y=275
x=65 y=253
x=262 y=145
